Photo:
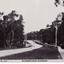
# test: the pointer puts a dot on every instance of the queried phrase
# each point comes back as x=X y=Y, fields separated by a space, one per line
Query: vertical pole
x=56 y=36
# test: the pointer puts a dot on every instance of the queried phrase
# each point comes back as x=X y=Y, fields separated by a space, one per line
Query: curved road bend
x=21 y=50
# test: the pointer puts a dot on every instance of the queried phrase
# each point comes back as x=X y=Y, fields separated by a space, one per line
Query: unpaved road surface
x=21 y=50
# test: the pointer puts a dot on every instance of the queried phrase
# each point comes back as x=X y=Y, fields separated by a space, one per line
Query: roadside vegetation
x=11 y=30
x=48 y=34
x=41 y=53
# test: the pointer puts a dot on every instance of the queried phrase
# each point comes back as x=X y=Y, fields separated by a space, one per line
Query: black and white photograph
x=31 y=30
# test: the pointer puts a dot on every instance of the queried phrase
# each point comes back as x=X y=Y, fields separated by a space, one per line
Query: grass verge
x=41 y=53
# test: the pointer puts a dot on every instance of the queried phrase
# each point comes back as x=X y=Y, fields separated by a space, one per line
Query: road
x=21 y=50
x=61 y=51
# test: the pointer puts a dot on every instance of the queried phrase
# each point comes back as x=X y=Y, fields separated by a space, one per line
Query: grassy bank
x=41 y=53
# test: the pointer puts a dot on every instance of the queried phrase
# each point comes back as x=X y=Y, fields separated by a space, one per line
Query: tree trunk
x=12 y=40
x=56 y=36
x=9 y=40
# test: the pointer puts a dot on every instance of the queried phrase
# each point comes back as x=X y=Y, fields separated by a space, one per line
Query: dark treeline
x=47 y=35
x=11 y=29
x=44 y=35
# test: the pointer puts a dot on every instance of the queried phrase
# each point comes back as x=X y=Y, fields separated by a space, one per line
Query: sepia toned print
x=31 y=30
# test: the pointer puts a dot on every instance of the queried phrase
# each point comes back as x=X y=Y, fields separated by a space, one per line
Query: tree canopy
x=12 y=28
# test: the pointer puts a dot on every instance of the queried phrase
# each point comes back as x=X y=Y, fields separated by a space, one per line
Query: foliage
x=47 y=35
x=12 y=29
x=59 y=2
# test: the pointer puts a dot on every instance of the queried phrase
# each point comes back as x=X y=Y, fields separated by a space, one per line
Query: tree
x=19 y=29
x=59 y=2
x=16 y=27
x=61 y=31
x=12 y=26
x=56 y=24
x=2 y=31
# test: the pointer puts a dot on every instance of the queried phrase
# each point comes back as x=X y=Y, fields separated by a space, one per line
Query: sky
x=36 y=13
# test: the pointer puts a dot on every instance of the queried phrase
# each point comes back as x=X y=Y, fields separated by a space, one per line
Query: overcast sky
x=36 y=13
